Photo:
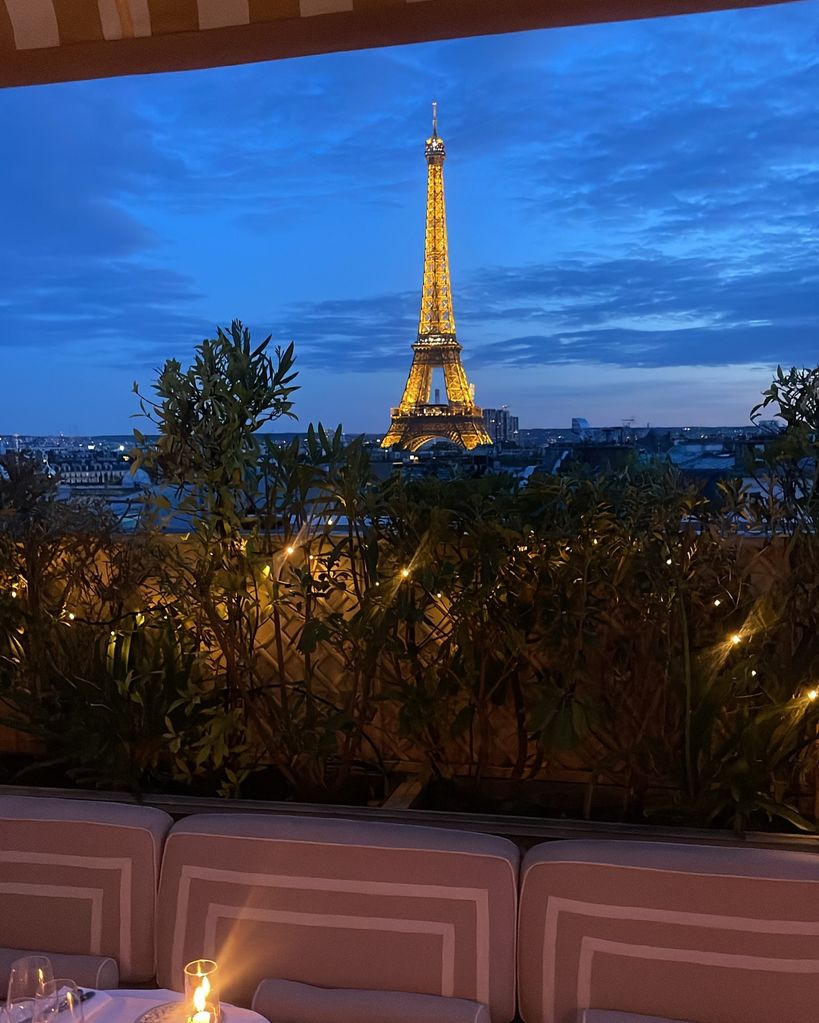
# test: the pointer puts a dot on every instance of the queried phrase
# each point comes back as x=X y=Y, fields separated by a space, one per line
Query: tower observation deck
x=416 y=421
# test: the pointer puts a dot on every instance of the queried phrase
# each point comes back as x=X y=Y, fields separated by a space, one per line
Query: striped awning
x=59 y=40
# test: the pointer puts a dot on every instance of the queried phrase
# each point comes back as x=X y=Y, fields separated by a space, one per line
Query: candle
x=201 y=996
x=200 y=1003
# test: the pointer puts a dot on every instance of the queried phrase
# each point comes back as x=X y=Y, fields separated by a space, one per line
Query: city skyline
x=631 y=218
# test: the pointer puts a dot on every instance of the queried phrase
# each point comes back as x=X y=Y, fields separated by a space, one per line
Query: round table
x=128 y=1006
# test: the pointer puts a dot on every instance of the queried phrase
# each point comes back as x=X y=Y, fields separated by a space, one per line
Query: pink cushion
x=79 y=877
x=87 y=971
x=680 y=932
x=340 y=904
x=284 y=1001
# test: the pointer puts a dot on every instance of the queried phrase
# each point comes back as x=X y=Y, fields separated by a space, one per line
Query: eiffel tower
x=416 y=420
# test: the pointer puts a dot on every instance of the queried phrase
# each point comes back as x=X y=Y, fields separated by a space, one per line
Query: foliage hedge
x=616 y=621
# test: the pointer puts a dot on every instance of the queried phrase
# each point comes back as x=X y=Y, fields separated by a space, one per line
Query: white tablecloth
x=128 y=1006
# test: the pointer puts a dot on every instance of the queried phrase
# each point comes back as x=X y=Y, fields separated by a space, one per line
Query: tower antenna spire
x=434 y=117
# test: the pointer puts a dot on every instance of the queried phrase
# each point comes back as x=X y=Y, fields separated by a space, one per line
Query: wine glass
x=27 y=979
x=19 y=1011
x=59 y=1000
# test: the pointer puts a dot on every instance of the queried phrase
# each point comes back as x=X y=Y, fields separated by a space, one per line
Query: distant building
x=501 y=425
x=87 y=468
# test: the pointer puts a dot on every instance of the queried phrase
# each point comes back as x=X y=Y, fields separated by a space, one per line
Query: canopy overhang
x=62 y=40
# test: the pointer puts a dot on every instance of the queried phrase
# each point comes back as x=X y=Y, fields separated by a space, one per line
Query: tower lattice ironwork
x=417 y=420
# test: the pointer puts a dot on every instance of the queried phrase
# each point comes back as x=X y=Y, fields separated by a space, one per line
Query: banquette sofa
x=332 y=921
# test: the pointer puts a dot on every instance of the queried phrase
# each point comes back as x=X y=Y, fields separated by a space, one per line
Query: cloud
x=647 y=310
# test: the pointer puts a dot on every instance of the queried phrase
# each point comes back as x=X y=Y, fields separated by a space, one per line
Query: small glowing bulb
x=668 y=561
x=71 y=616
x=736 y=639
x=717 y=602
x=753 y=672
x=405 y=572
x=812 y=694
x=290 y=550
x=439 y=595
x=14 y=593
x=113 y=633
x=595 y=542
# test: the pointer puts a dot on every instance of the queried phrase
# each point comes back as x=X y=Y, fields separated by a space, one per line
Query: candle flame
x=200 y=995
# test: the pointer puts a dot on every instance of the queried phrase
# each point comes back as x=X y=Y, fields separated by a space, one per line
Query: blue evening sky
x=633 y=221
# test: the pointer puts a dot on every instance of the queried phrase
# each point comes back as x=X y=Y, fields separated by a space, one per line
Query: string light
x=753 y=672
x=812 y=694
x=14 y=593
x=736 y=639
x=290 y=550
x=405 y=572
x=668 y=561
x=717 y=602
x=71 y=616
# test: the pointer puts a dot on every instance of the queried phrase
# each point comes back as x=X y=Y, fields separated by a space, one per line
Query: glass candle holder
x=202 y=991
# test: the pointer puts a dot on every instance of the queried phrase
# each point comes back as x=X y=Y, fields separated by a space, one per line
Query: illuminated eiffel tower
x=416 y=420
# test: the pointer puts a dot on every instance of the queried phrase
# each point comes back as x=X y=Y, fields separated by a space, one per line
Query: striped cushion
x=716 y=935
x=340 y=904
x=79 y=877
x=284 y=1001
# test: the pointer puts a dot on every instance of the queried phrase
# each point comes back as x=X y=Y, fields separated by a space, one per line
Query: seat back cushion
x=285 y=1001
x=79 y=877
x=683 y=932
x=340 y=904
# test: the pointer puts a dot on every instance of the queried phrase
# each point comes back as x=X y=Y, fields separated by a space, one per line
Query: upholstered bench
x=359 y=906
x=636 y=932
x=78 y=882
